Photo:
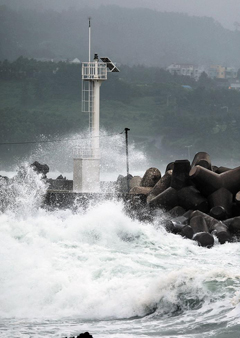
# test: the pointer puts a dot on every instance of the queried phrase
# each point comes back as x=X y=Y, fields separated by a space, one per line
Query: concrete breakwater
x=197 y=200
x=201 y=200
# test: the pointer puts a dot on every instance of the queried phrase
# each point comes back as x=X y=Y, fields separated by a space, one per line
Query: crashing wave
x=24 y=192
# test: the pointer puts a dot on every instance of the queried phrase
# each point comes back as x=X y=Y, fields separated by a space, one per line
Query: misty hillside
x=127 y=36
x=42 y=101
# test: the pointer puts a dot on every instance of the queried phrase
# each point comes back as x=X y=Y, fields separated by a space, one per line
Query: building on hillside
x=216 y=71
x=76 y=61
x=234 y=84
x=193 y=71
x=220 y=72
x=230 y=73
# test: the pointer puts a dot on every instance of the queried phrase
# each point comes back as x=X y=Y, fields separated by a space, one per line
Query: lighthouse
x=86 y=166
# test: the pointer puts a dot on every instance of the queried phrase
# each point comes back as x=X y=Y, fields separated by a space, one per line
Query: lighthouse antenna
x=89 y=42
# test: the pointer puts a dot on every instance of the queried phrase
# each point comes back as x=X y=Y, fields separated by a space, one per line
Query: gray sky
x=225 y=11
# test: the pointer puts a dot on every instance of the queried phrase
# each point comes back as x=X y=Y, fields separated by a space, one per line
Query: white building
x=76 y=61
x=230 y=73
x=194 y=71
x=235 y=84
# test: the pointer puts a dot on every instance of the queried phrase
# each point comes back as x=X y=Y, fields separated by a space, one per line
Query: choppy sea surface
x=64 y=272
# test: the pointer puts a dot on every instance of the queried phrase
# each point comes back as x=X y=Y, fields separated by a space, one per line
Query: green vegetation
x=44 y=99
x=128 y=36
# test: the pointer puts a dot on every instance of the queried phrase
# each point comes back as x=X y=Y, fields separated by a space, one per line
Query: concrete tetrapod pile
x=202 y=200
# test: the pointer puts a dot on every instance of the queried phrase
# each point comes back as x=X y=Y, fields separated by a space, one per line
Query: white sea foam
x=100 y=264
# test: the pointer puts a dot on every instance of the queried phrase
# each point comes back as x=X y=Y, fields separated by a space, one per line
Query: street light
x=127 y=159
x=188 y=151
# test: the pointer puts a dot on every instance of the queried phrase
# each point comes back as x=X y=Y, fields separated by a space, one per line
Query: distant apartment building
x=220 y=72
x=217 y=72
x=230 y=73
x=194 y=71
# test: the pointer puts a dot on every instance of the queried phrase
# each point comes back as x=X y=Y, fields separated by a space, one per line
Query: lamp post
x=188 y=147
x=127 y=159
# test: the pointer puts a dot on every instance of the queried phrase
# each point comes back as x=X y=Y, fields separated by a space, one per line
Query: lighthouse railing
x=94 y=71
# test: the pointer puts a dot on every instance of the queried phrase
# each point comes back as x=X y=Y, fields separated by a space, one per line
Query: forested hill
x=166 y=113
x=128 y=36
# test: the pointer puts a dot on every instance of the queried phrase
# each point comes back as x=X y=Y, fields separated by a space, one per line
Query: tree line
x=129 y=36
x=44 y=99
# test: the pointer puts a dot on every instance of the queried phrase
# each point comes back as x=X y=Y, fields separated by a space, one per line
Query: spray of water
x=59 y=155
x=99 y=264
x=23 y=193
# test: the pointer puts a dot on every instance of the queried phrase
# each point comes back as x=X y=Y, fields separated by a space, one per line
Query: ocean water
x=64 y=272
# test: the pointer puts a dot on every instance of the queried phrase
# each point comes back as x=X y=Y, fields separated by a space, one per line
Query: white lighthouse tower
x=86 y=168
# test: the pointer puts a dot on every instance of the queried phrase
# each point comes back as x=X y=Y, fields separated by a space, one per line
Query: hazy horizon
x=226 y=12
